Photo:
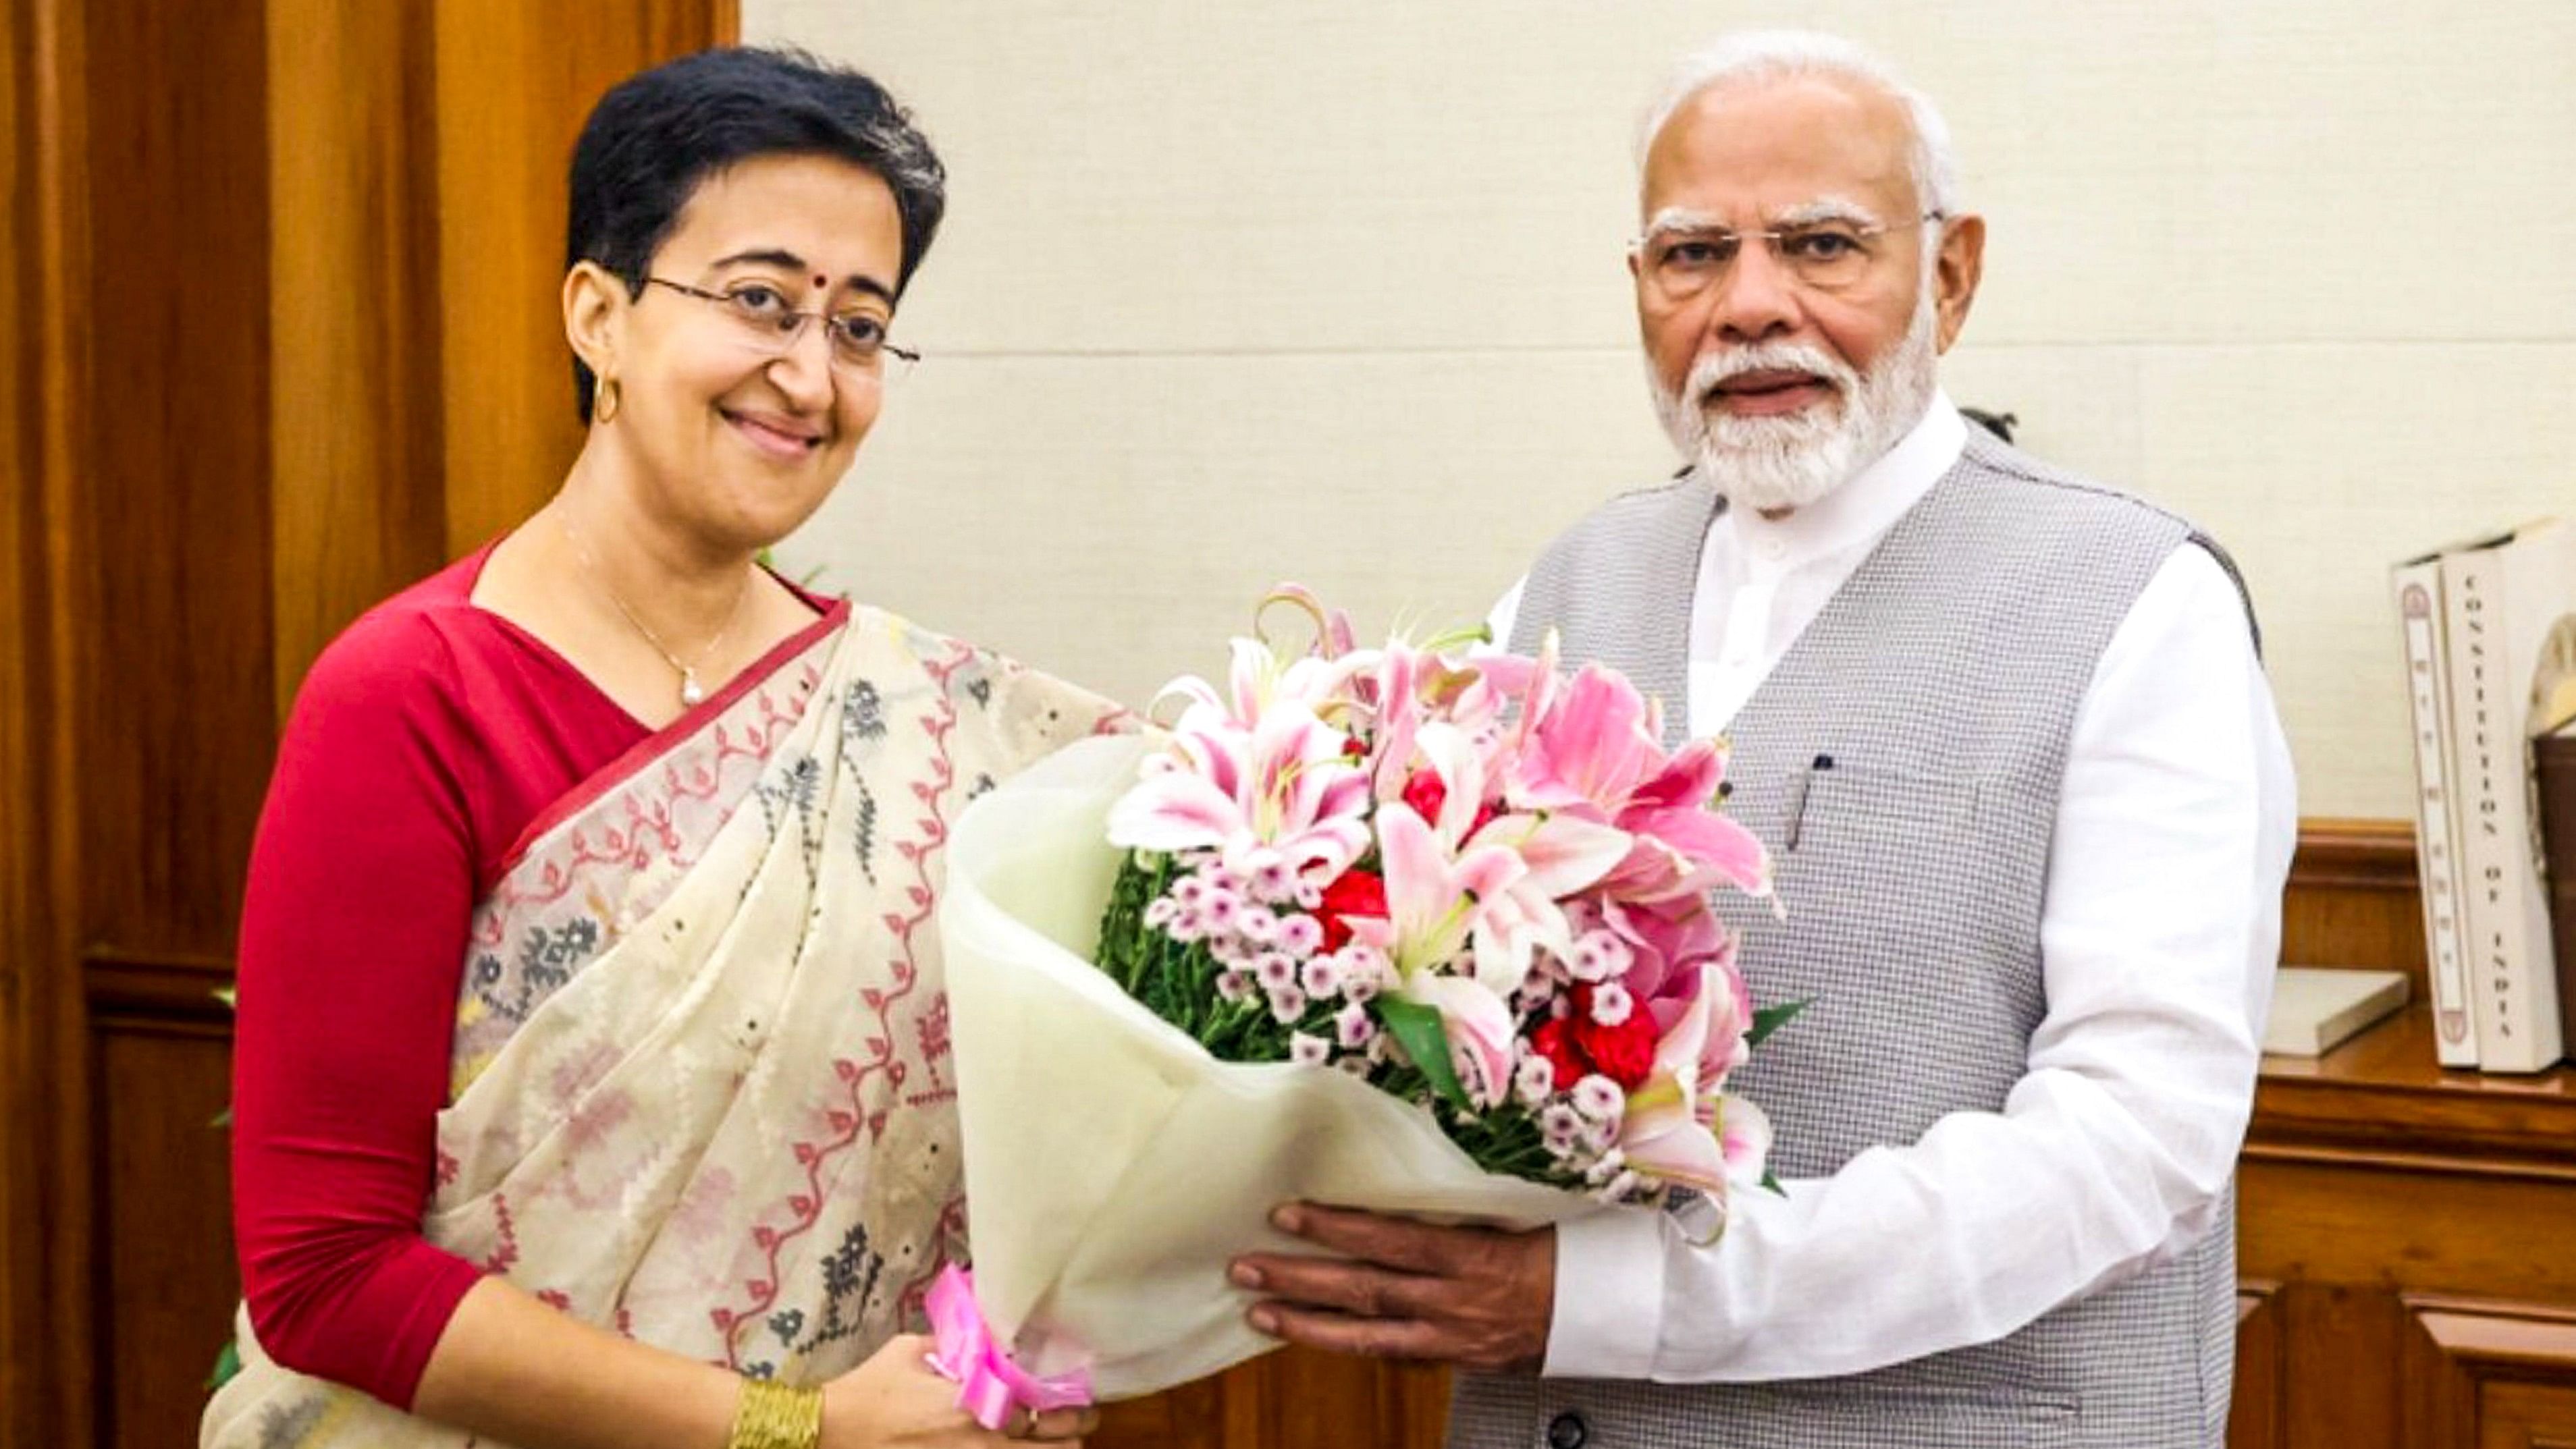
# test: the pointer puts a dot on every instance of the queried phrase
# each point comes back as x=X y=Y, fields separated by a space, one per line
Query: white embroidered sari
x=701 y=1089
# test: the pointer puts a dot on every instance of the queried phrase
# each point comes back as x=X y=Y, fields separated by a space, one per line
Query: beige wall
x=1235 y=292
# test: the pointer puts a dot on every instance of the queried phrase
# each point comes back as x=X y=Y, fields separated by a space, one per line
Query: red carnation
x=1552 y=1041
x=1353 y=893
x=1624 y=1053
x=1426 y=793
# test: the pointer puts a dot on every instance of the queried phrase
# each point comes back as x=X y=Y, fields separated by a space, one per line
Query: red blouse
x=423 y=743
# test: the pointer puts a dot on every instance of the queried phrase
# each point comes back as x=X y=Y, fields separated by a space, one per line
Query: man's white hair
x=1760 y=55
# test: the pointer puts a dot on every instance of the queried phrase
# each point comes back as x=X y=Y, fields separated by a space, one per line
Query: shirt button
x=1568 y=1431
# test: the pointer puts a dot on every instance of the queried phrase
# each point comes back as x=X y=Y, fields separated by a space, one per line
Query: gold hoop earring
x=603 y=406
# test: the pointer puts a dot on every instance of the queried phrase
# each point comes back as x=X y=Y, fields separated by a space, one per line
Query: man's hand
x=1478 y=1298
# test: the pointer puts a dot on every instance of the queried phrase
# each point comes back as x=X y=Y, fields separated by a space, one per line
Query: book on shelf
x=2509 y=624
x=2418 y=587
x=2315 y=1009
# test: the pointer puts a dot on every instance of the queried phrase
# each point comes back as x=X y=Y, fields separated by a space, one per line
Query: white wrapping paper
x=1112 y=1166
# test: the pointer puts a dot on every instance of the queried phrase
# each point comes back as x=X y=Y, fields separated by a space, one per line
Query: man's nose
x=1756 y=297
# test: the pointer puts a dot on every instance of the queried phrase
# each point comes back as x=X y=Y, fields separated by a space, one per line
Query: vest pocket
x=1839 y=808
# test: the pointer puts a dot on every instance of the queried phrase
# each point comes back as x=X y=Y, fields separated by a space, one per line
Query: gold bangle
x=774 y=1416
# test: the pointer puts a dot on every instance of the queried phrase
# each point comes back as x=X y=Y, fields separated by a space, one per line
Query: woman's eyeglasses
x=759 y=312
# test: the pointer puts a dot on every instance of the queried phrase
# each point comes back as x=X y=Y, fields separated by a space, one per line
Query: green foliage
x=227 y=1364
x=1417 y=1029
x=1177 y=981
x=1769 y=1019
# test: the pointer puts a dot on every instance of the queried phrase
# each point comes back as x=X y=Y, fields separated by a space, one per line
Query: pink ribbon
x=989 y=1385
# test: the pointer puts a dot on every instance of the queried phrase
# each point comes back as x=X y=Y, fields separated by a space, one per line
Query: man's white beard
x=1772 y=463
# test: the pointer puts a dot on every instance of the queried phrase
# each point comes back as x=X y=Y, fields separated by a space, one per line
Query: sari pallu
x=701 y=1089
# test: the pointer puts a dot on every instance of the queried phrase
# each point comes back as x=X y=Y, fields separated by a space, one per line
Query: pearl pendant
x=692 y=693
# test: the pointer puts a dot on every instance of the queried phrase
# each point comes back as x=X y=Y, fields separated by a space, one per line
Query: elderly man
x=2007 y=737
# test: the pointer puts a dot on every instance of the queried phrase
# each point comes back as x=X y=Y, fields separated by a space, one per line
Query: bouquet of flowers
x=1465 y=880
x=1417 y=928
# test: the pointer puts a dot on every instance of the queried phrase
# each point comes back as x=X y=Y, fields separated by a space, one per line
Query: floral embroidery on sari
x=700 y=1091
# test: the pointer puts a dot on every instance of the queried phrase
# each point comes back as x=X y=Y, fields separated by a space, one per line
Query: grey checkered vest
x=1903 y=762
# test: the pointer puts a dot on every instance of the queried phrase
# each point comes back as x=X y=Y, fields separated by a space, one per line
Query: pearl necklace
x=692 y=692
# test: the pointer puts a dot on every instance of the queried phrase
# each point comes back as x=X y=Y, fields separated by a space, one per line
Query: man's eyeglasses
x=1680 y=263
x=760 y=314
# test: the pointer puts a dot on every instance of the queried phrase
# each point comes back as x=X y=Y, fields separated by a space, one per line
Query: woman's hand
x=896 y=1400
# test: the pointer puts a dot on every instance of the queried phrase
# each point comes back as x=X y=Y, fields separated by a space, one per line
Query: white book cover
x=2418 y=586
x=2315 y=1009
x=2503 y=599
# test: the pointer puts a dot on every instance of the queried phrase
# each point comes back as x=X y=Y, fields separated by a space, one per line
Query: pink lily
x=1514 y=912
x=1684 y=847
x=1561 y=855
x=1677 y=1121
x=1288 y=784
x=1432 y=896
x=1589 y=749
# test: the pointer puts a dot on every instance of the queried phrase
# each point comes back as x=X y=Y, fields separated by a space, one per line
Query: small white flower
x=1233 y=986
x=1160 y=910
x=1256 y=925
x=1308 y=1050
x=1611 y=1003
x=1600 y=1135
x=1354 y=1028
x=1287 y=1005
x=1300 y=935
x=1219 y=876
x=1534 y=1080
x=1189 y=890
x=1599 y=1099
x=1230 y=950
x=1560 y=1128
x=1272 y=879
x=1223 y=909
x=1275 y=972
x=1600 y=955
x=1321 y=978
x=1308 y=896
x=1365 y=963
x=1188 y=924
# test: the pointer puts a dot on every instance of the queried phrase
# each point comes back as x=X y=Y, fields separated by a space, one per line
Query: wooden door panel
x=164 y=1266
x=2487 y=1375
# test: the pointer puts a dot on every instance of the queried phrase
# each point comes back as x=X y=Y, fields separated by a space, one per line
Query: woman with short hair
x=592 y=1080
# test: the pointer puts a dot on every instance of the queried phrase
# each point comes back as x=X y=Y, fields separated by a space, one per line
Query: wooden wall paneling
x=503 y=155
x=2353 y=898
x=21 y=749
x=2338 y=1390
x=2485 y=1375
x=162 y=1192
x=171 y=591
x=45 y=1309
x=2262 y=1351
x=172 y=585
x=355 y=427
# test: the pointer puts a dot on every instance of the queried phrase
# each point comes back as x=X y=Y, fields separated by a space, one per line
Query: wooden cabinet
x=2407 y=1238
